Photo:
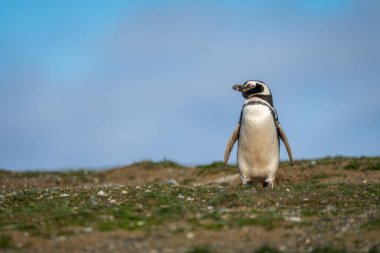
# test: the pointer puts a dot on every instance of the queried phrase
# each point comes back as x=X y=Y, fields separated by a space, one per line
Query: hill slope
x=316 y=206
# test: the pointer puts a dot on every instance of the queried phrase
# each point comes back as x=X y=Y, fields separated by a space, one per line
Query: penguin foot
x=269 y=182
x=246 y=183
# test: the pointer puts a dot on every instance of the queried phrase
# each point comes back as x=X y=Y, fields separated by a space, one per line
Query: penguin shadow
x=260 y=182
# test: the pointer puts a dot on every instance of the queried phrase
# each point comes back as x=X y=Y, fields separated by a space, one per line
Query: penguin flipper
x=231 y=142
x=285 y=141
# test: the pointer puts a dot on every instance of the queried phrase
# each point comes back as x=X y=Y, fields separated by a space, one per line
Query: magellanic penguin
x=257 y=133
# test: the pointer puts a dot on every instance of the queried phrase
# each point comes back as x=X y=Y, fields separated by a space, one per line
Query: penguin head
x=254 y=88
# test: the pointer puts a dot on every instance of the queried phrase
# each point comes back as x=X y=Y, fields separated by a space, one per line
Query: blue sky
x=105 y=83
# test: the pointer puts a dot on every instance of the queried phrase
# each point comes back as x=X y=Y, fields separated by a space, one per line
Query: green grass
x=45 y=212
x=6 y=242
x=211 y=165
x=328 y=250
x=373 y=224
x=266 y=249
x=199 y=250
x=267 y=220
x=363 y=164
x=326 y=176
x=354 y=165
x=214 y=167
x=165 y=163
x=313 y=205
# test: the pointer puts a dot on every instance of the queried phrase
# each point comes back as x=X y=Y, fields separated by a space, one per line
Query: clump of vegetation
x=212 y=165
x=328 y=250
x=199 y=250
x=215 y=167
x=329 y=160
x=6 y=242
x=266 y=249
x=267 y=220
x=363 y=164
x=373 y=224
x=354 y=165
x=165 y=163
x=321 y=176
x=374 y=164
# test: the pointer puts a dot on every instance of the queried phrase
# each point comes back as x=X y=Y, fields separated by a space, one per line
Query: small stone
x=294 y=219
x=364 y=181
x=124 y=192
x=147 y=190
x=140 y=223
x=189 y=199
x=62 y=195
x=330 y=208
x=112 y=201
x=287 y=190
x=87 y=229
x=307 y=241
x=210 y=207
x=190 y=235
x=305 y=199
x=137 y=187
x=171 y=182
x=101 y=193
x=61 y=238
x=180 y=196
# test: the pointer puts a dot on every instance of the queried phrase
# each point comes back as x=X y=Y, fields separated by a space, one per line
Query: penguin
x=257 y=132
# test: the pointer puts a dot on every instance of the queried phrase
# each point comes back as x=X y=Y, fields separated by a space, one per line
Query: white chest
x=258 y=149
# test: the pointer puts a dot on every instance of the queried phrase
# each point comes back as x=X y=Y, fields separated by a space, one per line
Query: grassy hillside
x=325 y=205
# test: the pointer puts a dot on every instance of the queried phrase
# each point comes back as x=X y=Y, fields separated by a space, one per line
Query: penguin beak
x=238 y=87
x=242 y=88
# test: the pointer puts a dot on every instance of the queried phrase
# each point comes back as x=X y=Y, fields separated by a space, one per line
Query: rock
x=171 y=182
x=87 y=229
x=293 y=218
x=101 y=193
